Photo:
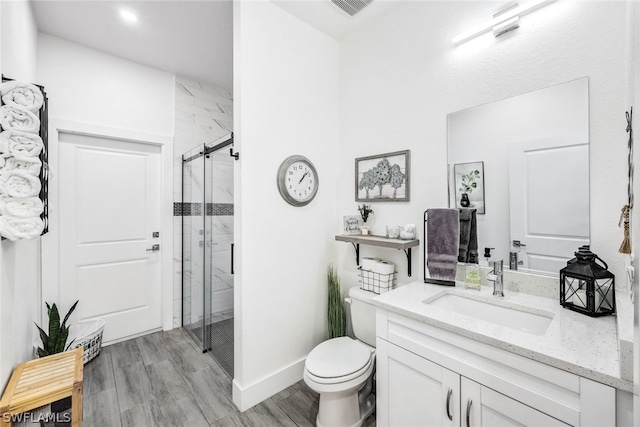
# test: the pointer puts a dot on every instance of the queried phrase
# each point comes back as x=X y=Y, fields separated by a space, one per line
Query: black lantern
x=586 y=286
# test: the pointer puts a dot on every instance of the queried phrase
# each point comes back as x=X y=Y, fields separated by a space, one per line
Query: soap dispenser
x=487 y=257
x=472 y=273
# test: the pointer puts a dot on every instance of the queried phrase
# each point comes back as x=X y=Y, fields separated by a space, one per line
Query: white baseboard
x=131 y=337
x=252 y=394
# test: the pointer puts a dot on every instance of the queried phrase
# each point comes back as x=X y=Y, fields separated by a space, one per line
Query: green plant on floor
x=335 y=307
x=56 y=340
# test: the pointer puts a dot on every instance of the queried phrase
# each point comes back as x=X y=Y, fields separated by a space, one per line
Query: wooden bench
x=42 y=381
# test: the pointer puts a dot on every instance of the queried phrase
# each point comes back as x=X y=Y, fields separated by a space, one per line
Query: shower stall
x=207 y=248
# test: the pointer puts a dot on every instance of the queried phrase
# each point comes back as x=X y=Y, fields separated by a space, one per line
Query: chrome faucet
x=496 y=277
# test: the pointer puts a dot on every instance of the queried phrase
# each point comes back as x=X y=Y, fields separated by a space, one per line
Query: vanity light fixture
x=503 y=21
x=128 y=16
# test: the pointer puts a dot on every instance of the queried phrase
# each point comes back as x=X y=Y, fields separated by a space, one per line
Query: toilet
x=341 y=369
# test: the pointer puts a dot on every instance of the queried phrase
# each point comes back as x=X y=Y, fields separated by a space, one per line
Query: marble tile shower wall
x=203 y=113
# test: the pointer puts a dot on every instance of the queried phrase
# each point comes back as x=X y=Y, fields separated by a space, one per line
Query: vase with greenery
x=335 y=309
x=467 y=185
x=365 y=211
x=56 y=340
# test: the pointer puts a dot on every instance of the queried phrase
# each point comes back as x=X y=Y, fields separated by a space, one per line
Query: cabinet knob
x=448 y=405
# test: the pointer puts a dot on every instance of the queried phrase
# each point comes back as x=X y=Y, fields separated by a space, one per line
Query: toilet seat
x=338 y=360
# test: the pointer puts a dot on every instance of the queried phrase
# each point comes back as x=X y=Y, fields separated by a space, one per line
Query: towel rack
x=44 y=155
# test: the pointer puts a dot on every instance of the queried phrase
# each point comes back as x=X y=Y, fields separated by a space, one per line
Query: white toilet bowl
x=338 y=369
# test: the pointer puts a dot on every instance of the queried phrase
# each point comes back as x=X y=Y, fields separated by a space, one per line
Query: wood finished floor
x=162 y=379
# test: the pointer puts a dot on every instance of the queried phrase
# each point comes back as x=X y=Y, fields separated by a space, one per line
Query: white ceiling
x=329 y=18
x=189 y=38
x=192 y=38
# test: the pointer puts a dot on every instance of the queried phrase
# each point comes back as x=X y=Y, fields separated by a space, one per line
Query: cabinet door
x=483 y=407
x=412 y=391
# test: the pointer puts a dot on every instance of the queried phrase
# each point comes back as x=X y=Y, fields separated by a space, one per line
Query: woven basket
x=87 y=334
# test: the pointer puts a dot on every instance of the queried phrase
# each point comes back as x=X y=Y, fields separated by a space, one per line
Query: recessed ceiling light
x=128 y=16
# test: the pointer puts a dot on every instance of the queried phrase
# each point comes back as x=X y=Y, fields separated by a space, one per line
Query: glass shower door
x=219 y=201
x=194 y=283
x=207 y=247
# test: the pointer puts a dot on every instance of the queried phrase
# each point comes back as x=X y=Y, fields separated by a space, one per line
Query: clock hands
x=305 y=174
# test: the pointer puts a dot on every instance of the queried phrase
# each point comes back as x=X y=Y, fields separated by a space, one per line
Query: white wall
x=285 y=103
x=103 y=94
x=400 y=76
x=634 y=100
x=88 y=86
x=19 y=261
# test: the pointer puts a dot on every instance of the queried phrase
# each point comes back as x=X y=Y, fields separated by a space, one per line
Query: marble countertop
x=573 y=342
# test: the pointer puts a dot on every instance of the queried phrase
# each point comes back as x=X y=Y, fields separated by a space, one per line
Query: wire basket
x=87 y=334
x=375 y=282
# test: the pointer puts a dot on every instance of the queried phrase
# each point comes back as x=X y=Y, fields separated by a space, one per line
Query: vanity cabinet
x=429 y=376
x=418 y=392
x=482 y=406
x=422 y=393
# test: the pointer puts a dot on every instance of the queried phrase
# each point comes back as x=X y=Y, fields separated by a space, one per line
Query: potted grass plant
x=335 y=309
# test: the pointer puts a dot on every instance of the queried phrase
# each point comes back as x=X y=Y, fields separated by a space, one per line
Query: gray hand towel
x=468 y=236
x=443 y=239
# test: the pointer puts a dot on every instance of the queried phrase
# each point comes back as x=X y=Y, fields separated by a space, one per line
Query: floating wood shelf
x=380 y=241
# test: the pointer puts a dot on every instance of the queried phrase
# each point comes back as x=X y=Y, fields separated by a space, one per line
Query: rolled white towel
x=20 y=228
x=22 y=94
x=18 y=118
x=18 y=143
x=30 y=165
x=21 y=208
x=19 y=184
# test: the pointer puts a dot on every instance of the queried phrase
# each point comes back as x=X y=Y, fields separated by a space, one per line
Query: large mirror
x=523 y=164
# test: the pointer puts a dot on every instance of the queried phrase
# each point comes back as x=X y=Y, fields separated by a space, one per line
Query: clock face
x=297 y=180
x=301 y=181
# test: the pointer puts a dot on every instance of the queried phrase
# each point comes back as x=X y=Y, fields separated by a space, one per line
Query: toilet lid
x=337 y=357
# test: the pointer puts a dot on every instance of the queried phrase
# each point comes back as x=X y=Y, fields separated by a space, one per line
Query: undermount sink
x=520 y=318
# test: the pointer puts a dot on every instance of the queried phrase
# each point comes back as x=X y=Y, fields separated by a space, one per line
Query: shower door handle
x=232 y=247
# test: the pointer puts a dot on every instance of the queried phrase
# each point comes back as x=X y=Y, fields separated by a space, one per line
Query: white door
x=549 y=200
x=482 y=406
x=414 y=392
x=109 y=208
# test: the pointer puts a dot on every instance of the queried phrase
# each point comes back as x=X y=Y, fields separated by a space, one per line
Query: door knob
x=155 y=247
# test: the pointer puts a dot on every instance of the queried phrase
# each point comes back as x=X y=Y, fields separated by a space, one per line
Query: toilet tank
x=363 y=315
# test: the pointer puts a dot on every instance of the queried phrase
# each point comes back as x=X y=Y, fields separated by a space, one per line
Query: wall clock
x=297 y=180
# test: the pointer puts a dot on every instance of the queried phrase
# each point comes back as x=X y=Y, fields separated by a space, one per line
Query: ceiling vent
x=351 y=7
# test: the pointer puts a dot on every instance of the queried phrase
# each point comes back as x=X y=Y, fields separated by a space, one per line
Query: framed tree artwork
x=383 y=177
x=468 y=189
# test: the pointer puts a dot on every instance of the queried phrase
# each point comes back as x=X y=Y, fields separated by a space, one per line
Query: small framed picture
x=352 y=224
x=383 y=177
x=468 y=179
